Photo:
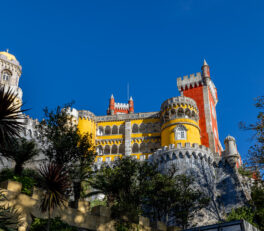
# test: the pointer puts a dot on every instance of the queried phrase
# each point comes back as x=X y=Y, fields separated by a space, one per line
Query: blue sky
x=86 y=50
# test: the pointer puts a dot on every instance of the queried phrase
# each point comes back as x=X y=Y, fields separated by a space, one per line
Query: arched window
x=142 y=147
x=114 y=129
x=99 y=150
x=180 y=133
x=180 y=112
x=6 y=75
x=114 y=149
x=108 y=130
x=142 y=128
x=187 y=113
x=100 y=131
x=122 y=149
x=135 y=148
x=122 y=129
x=135 y=128
x=107 y=149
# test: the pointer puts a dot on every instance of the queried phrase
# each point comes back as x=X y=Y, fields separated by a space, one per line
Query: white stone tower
x=10 y=72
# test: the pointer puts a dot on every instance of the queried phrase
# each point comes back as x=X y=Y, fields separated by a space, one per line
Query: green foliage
x=97 y=202
x=56 y=224
x=256 y=152
x=123 y=226
x=9 y=217
x=133 y=188
x=245 y=213
x=64 y=144
x=28 y=178
x=188 y=200
x=21 y=151
x=123 y=185
x=27 y=184
x=257 y=195
x=254 y=213
x=56 y=185
x=245 y=172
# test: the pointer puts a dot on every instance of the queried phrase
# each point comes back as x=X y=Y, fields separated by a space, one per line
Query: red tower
x=120 y=108
x=203 y=91
x=131 y=105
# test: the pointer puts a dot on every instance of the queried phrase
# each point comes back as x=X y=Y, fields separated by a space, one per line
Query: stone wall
x=96 y=219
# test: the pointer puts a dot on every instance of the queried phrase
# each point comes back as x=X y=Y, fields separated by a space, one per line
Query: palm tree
x=56 y=185
x=20 y=151
x=11 y=117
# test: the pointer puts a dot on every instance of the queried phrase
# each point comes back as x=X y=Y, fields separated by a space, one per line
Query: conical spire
x=205 y=63
x=131 y=98
x=112 y=96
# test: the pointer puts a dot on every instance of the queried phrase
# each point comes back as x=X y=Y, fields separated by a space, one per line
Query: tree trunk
x=77 y=193
x=18 y=169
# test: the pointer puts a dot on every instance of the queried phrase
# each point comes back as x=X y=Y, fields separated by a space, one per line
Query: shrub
x=29 y=178
x=56 y=224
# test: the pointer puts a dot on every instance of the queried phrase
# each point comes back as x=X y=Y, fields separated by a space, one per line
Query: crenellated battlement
x=189 y=81
x=187 y=151
x=124 y=106
x=172 y=102
x=86 y=114
x=30 y=121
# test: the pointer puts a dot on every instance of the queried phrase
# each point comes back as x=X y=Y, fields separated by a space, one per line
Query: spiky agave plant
x=56 y=186
x=9 y=216
x=11 y=117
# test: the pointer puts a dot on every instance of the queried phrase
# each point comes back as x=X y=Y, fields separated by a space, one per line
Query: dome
x=8 y=55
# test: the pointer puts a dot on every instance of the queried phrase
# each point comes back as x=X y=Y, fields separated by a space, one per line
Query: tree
x=124 y=186
x=11 y=117
x=20 y=151
x=160 y=194
x=133 y=188
x=56 y=185
x=245 y=213
x=188 y=202
x=256 y=152
x=254 y=211
x=257 y=195
x=64 y=144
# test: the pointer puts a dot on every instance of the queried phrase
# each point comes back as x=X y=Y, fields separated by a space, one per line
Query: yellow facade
x=192 y=132
x=87 y=125
x=141 y=134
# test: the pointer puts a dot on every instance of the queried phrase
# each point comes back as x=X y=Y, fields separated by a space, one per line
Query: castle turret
x=131 y=105
x=180 y=122
x=111 y=108
x=10 y=72
x=205 y=71
x=231 y=154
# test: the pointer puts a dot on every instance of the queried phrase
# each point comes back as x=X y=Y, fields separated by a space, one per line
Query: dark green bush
x=29 y=178
x=56 y=224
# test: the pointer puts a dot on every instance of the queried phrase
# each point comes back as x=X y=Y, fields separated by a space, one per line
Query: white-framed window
x=6 y=75
x=99 y=159
x=180 y=133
